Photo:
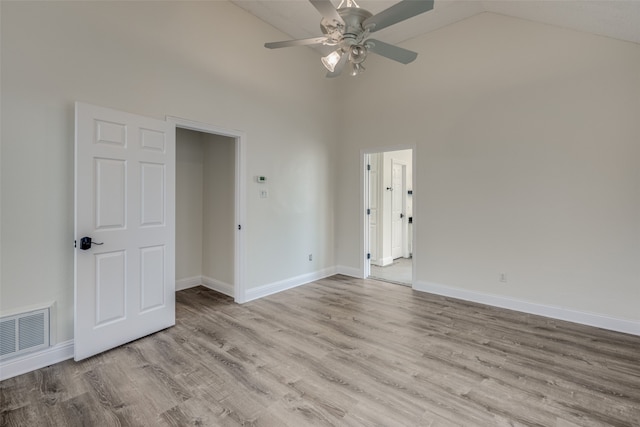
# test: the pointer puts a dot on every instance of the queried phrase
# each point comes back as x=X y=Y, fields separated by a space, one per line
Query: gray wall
x=528 y=160
x=157 y=59
x=189 y=203
x=218 y=215
x=527 y=142
x=205 y=202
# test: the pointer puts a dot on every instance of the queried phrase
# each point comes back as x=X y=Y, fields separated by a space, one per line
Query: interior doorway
x=389 y=215
x=209 y=213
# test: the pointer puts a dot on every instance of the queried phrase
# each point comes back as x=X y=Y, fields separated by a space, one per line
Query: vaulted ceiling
x=619 y=19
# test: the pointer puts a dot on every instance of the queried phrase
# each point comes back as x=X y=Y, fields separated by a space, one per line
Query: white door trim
x=365 y=265
x=239 y=291
x=366 y=237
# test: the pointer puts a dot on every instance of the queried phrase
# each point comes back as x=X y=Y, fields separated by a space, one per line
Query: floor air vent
x=23 y=333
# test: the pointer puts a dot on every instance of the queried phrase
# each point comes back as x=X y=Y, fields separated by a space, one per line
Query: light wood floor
x=345 y=352
x=400 y=271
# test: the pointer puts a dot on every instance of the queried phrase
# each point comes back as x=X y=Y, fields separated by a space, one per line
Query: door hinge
x=368 y=167
x=239 y=227
x=368 y=211
x=75 y=243
x=368 y=256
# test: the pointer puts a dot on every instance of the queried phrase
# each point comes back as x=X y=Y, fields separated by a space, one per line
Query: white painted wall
x=528 y=161
x=527 y=144
x=218 y=216
x=184 y=59
x=189 y=203
x=205 y=196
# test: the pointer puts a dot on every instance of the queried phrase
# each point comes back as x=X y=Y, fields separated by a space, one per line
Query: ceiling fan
x=348 y=27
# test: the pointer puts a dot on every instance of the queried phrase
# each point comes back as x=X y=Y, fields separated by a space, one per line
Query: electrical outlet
x=503 y=277
x=310 y=257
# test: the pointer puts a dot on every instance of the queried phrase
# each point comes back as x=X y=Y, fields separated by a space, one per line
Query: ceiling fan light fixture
x=356 y=68
x=348 y=27
x=357 y=54
x=330 y=61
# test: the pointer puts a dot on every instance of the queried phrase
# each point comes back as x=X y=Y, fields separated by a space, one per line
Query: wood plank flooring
x=343 y=352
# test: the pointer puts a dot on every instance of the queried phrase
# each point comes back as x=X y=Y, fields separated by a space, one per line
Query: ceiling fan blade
x=300 y=42
x=390 y=51
x=339 y=66
x=398 y=12
x=327 y=10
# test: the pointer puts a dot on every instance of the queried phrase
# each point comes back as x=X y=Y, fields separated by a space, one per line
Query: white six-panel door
x=124 y=199
x=396 y=209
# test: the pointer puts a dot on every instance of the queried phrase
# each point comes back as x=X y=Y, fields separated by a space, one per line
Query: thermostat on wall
x=261 y=179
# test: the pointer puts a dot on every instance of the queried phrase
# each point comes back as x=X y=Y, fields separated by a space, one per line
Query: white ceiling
x=619 y=19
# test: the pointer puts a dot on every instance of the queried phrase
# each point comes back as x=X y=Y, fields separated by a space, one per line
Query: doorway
x=208 y=210
x=389 y=216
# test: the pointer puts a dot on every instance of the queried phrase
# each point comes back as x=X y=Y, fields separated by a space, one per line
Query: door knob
x=85 y=243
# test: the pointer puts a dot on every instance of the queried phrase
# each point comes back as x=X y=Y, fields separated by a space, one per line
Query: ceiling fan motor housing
x=352 y=32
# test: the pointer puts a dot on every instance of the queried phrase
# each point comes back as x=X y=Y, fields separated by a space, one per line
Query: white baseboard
x=30 y=362
x=554 y=312
x=217 y=285
x=187 y=283
x=349 y=271
x=283 y=285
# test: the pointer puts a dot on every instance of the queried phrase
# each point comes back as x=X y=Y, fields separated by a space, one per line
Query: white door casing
x=406 y=210
x=239 y=292
x=124 y=199
x=373 y=184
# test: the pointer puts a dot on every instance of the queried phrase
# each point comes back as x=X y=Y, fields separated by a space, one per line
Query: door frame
x=369 y=243
x=365 y=264
x=240 y=138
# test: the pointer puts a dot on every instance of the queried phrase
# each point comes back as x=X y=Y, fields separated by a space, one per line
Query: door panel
x=111 y=133
x=110 y=190
x=153 y=261
x=124 y=201
x=110 y=287
x=152 y=194
x=152 y=140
